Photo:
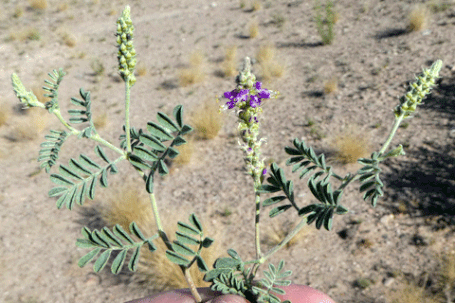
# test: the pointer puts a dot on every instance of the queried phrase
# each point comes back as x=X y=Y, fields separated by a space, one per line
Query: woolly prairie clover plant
x=147 y=149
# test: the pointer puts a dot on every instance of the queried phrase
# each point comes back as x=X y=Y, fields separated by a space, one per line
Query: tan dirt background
x=372 y=58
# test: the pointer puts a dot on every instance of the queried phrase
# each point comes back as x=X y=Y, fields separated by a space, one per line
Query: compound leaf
x=117 y=264
x=88 y=257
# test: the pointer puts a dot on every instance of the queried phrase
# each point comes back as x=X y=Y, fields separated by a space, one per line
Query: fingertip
x=229 y=299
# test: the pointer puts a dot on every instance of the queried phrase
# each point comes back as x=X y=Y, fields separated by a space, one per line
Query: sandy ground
x=373 y=59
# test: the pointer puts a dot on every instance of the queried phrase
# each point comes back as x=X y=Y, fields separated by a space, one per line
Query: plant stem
x=257 y=182
x=191 y=285
x=127 y=117
x=98 y=139
x=392 y=133
x=286 y=239
x=59 y=116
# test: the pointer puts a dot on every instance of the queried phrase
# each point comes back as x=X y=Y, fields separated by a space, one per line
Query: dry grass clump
x=229 y=63
x=27 y=34
x=155 y=271
x=126 y=204
x=185 y=153
x=100 y=121
x=418 y=18
x=276 y=231
x=141 y=69
x=350 y=145
x=68 y=39
x=331 y=86
x=5 y=112
x=31 y=126
x=270 y=67
x=206 y=120
x=38 y=4
x=62 y=7
x=195 y=73
x=253 y=29
x=410 y=293
x=18 y=11
x=256 y=5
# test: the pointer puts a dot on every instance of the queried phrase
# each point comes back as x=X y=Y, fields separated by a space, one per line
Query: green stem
x=127 y=117
x=283 y=242
x=392 y=133
x=98 y=139
x=59 y=116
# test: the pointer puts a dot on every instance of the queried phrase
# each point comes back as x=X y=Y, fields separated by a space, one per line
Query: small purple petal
x=254 y=101
x=242 y=95
x=258 y=85
x=264 y=171
x=230 y=104
x=263 y=93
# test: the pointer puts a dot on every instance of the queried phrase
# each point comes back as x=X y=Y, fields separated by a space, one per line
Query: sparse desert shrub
x=277 y=231
x=325 y=25
x=185 y=153
x=27 y=34
x=100 y=121
x=141 y=69
x=97 y=67
x=418 y=18
x=331 y=86
x=253 y=29
x=256 y=5
x=270 y=66
x=278 y=20
x=38 y=4
x=62 y=7
x=350 y=145
x=68 y=39
x=18 y=11
x=410 y=293
x=195 y=72
x=230 y=62
x=5 y=112
x=206 y=120
x=30 y=127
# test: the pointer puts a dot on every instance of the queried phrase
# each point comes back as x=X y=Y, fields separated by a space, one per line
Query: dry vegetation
x=127 y=204
x=141 y=69
x=270 y=66
x=5 y=112
x=30 y=126
x=350 y=145
x=185 y=153
x=253 y=29
x=331 y=86
x=38 y=4
x=30 y=33
x=100 y=121
x=195 y=72
x=206 y=120
x=418 y=18
x=276 y=231
x=230 y=62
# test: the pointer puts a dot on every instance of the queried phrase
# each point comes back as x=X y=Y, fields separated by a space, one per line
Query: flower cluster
x=240 y=96
x=126 y=52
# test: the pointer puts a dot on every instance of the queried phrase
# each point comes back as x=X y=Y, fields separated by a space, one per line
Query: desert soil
x=373 y=58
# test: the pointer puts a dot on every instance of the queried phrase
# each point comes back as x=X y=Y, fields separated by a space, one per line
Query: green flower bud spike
x=126 y=52
x=419 y=90
x=27 y=98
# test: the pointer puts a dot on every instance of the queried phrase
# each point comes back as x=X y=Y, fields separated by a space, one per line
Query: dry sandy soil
x=373 y=58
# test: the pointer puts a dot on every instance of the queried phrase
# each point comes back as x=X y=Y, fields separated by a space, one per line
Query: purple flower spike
x=254 y=101
x=264 y=171
x=262 y=93
x=235 y=96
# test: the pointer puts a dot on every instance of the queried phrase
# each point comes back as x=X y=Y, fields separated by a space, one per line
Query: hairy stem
x=59 y=116
x=286 y=239
x=127 y=117
x=392 y=133
x=257 y=184
x=98 y=139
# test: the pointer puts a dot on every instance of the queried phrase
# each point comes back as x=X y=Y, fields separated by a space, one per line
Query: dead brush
x=331 y=86
x=411 y=293
x=277 y=231
x=418 y=19
x=154 y=271
x=195 y=72
x=206 y=120
x=38 y=4
x=270 y=67
x=229 y=63
x=185 y=153
x=350 y=145
x=253 y=29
